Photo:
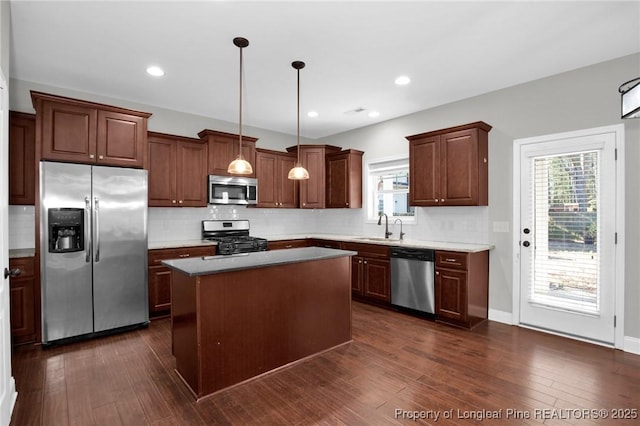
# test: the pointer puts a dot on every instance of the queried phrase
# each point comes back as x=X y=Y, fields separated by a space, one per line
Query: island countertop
x=225 y=263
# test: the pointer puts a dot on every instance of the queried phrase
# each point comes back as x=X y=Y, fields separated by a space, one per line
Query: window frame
x=399 y=162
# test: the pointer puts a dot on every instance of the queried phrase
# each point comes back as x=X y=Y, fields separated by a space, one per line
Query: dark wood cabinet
x=462 y=288
x=23 y=301
x=86 y=132
x=223 y=149
x=344 y=179
x=160 y=276
x=288 y=244
x=317 y=242
x=313 y=191
x=22 y=158
x=449 y=167
x=275 y=190
x=370 y=272
x=177 y=171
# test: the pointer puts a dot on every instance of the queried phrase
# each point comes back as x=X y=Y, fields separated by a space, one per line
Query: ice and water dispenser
x=66 y=230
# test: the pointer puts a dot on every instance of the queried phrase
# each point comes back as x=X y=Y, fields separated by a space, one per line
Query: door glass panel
x=565 y=270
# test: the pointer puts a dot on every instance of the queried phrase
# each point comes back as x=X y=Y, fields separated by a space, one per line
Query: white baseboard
x=501 y=316
x=631 y=345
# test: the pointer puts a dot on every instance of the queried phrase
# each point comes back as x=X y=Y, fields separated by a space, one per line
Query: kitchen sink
x=374 y=239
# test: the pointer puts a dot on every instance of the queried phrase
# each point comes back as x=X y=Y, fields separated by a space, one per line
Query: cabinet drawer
x=287 y=244
x=327 y=243
x=368 y=250
x=25 y=264
x=451 y=260
x=156 y=256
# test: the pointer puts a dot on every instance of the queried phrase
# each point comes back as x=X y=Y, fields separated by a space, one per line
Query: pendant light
x=298 y=172
x=240 y=166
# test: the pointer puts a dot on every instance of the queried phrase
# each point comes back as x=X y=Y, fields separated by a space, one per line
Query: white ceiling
x=353 y=50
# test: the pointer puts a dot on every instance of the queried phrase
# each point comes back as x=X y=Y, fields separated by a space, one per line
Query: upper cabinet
x=223 y=149
x=22 y=158
x=177 y=171
x=344 y=179
x=91 y=133
x=449 y=167
x=274 y=188
x=313 y=191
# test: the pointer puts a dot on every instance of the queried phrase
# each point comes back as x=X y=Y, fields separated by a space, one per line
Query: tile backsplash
x=22 y=230
x=454 y=224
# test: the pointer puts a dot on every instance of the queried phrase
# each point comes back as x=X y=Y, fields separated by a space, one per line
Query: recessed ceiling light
x=402 y=80
x=155 y=71
x=312 y=114
x=374 y=114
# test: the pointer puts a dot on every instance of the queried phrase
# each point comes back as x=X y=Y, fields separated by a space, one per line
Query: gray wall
x=5 y=27
x=579 y=99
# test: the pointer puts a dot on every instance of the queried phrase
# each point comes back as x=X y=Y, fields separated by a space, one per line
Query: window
x=388 y=190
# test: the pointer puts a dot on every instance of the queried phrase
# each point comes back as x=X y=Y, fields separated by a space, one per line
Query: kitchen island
x=239 y=316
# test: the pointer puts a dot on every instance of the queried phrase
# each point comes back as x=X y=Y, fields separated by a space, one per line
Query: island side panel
x=185 y=328
x=256 y=320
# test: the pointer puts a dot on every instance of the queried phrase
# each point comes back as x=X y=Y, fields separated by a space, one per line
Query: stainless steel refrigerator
x=93 y=249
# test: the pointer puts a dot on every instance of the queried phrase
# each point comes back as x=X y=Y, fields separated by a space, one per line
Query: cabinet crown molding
x=40 y=96
x=475 y=125
x=208 y=132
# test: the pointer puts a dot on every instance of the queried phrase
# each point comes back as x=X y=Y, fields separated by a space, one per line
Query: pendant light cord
x=240 y=119
x=298 y=128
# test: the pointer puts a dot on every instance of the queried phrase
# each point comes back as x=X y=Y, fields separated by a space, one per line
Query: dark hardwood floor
x=395 y=364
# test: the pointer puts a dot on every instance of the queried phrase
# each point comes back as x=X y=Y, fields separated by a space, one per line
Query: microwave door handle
x=87 y=230
x=96 y=213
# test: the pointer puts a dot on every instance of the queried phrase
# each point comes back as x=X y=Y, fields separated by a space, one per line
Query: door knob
x=526 y=243
x=526 y=230
x=11 y=273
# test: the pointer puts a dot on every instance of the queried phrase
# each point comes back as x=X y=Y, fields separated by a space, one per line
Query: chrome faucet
x=386 y=224
x=401 y=233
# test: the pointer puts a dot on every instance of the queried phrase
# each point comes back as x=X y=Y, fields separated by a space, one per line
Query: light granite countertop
x=153 y=245
x=218 y=264
x=435 y=245
x=23 y=252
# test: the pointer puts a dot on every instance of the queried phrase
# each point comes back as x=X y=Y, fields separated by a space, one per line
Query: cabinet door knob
x=442 y=200
x=91 y=156
x=347 y=204
x=180 y=202
x=101 y=157
x=437 y=272
x=173 y=201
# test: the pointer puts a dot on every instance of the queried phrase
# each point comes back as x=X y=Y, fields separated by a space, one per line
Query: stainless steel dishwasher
x=412 y=278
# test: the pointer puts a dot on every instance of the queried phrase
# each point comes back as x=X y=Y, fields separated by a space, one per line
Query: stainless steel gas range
x=232 y=236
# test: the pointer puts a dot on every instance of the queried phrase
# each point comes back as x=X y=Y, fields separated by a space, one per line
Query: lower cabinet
x=462 y=288
x=370 y=272
x=23 y=302
x=160 y=276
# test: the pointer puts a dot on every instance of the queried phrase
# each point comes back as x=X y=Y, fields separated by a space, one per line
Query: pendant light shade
x=298 y=172
x=240 y=166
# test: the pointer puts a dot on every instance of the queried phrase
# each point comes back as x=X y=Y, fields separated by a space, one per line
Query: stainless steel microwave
x=232 y=190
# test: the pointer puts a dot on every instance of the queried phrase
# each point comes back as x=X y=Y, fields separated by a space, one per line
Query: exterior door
x=567 y=234
x=7 y=384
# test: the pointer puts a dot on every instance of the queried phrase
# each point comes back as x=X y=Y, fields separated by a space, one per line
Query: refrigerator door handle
x=87 y=230
x=96 y=223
